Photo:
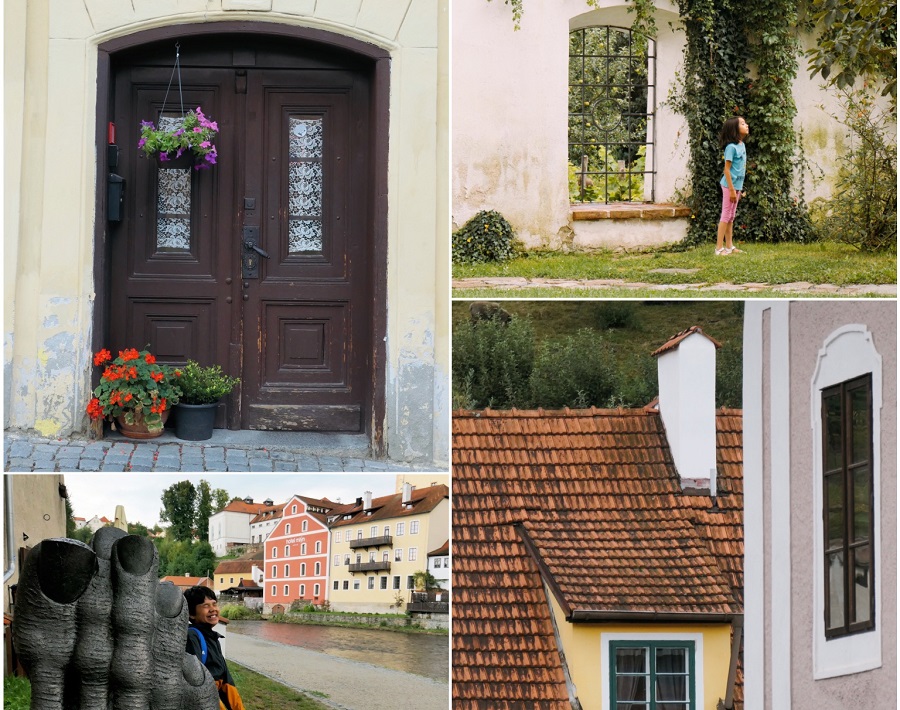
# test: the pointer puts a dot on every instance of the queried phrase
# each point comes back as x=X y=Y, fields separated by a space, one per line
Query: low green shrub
x=576 y=372
x=16 y=693
x=616 y=314
x=492 y=363
x=485 y=237
x=204 y=385
x=238 y=611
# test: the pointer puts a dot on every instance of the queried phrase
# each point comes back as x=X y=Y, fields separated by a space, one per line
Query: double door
x=258 y=263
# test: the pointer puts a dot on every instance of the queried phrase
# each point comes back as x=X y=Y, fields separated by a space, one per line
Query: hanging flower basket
x=189 y=140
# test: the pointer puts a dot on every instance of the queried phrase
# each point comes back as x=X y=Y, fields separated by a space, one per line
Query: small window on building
x=385 y=556
x=410 y=582
x=304 y=526
x=400 y=528
x=356 y=584
x=275 y=553
x=287 y=550
x=371 y=555
x=346 y=559
x=413 y=554
x=652 y=675
x=359 y=534
x=231 y=580
x=337 y=560
x=396 y=581
x=274 y=591
x=387 y=530
x=847 y=497
x=384 y=581
x=612 y=99
x=335 y=585
x=286 y=590
x=371 y=583
x=414 y=527
x=346 y=584
x=318 y=568
x=274 y=571
x=293 y=510
x=318 y=547
x=316 y=589
x=302 y=569
x=337 y=536
x=302 y=548
x=302 y=590
x=398 y=554
x=287 y=529
x=373 y=531
x=358 y=558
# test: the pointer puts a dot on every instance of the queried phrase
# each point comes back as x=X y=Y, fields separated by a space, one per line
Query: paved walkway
x=26 y=452
x=514 y=283
x=338 y=682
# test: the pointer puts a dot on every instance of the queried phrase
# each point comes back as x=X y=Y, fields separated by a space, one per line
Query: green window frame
x=647 y=675
x=847 y=467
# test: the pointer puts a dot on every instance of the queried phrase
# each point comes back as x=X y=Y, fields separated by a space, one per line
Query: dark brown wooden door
x=291 y=317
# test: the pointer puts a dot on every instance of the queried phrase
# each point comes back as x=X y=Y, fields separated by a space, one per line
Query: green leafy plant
x=134 y=386
x=862 y=211
x=239 y=611
x=16 y=693
x=194 y=133
x=485 y=237
x=204 y=385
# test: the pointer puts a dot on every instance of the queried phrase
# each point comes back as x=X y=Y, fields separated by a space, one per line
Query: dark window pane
x=834 y=506
x=671 y=660
x=861 y=504
x=859 y=419
x=671 y=706
x=632 y=706
x=631 y=660
x=835 y=572
x=833 y=439
x=631 y=687
x=671 y=687
x=862 y=584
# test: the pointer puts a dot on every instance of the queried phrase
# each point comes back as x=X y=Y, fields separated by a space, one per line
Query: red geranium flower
x=103 y=356
x=150 y=359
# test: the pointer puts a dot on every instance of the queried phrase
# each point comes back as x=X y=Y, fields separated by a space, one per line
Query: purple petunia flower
x=163 y=156
x=141 y=142
x=179 y=132
x=205 y=144
x=197 y=129
x=147 y=124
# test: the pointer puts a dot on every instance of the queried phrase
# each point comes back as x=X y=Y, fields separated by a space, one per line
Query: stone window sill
x=628 y=210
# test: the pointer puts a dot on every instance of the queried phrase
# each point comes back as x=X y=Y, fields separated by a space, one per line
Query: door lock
x=251 y=254
x=251 y=246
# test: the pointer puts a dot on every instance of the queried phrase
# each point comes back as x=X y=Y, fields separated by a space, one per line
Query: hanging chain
x=176 y=68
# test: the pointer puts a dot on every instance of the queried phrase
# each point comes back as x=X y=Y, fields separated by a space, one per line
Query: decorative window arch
x=612 y=106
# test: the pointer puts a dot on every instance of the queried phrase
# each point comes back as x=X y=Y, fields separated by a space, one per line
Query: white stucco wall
x=49 y=172
x=510 y=118
x=228 y=527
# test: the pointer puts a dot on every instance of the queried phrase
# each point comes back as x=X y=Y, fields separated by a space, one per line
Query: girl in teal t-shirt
x=732 y=140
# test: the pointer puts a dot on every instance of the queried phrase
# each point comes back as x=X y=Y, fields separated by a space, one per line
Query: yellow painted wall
x=49 y=168
x=582 y=645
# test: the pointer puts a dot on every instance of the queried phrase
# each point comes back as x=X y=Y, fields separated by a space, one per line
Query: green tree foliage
x=138 y=529
x=857 y=39
x=179 y=501
x=863 y=210
x=492 y=363
x=81 y=534
x=423 y=579
x=220 y=495
x=70 y=517
x=180 y=557
x=576 y=372
x=204 y=509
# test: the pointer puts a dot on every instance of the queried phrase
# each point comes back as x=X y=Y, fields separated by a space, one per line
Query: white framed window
x=287 y=571
x=304 y=526
x=847 y=355
x=302 y=548
x=373 y=531
x=337 y=536
x=335 y=585
x=287 y=550
x=302 y=569
x=396 y=584
x=356 y=584
x=318 y=569
x=410 y=582
x=359 y=534
x=337 y=560
x=274 y=571
x=387 y=530
x=274 y=590
x=371 y=555
x=302 y=590
x=316 y=589
x=413 y=554
x=384 y=582
x=414 y=527
x=286 y=590
x=318 y=546
x=371 y=582
x=385 y=556
x=398 y=554
x=347 y=559
x=274 y=552
x=287 y=529
x=293 y=510
x=358 y=558
x=400 y=528
x=346 y=584
x=673 y=662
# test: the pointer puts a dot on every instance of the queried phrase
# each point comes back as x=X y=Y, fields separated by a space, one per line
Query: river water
x=421 y=654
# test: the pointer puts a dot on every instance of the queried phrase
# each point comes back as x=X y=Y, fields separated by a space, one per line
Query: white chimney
x=368 y=500
x=407 y=493
x=687 y=403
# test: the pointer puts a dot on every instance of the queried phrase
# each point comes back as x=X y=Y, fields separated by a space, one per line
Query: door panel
x=293 y=176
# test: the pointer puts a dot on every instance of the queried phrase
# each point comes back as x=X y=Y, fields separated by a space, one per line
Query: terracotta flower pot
x=139 y=430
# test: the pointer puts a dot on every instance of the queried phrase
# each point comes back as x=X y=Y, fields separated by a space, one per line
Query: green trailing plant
x=234 y=612
x=204 y=385
x=862 y=211
x=486 y=237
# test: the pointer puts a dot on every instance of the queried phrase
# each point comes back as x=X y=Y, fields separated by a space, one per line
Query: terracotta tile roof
x=442 y=550
x=591 y=501
x=423 y=501
x=675 y=340
x=184 y=582
x=234 y=566
x=239 y=506
x=270 y=514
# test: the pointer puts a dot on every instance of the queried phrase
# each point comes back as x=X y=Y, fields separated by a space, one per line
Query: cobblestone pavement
x=24 y=452
x=513 y=283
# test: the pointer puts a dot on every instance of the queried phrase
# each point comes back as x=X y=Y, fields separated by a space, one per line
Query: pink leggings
x=728 y=207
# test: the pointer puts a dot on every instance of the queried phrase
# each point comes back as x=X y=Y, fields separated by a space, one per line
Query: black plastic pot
x=195 y=421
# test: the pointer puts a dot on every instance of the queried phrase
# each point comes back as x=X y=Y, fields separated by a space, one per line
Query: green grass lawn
x=823 y=263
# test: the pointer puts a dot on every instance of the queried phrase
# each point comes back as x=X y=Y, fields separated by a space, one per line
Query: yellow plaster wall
x=50 y=52
x=581 y=644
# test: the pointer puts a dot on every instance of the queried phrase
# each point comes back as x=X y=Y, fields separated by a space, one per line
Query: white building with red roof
x=231 y=525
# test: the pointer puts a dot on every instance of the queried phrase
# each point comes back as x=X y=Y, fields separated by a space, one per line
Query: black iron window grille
x=612 y=104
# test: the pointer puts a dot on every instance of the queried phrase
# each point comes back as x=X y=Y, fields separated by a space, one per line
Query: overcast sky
x=99 y=494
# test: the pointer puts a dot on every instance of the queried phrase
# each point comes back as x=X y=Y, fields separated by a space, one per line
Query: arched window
x=612 y=102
